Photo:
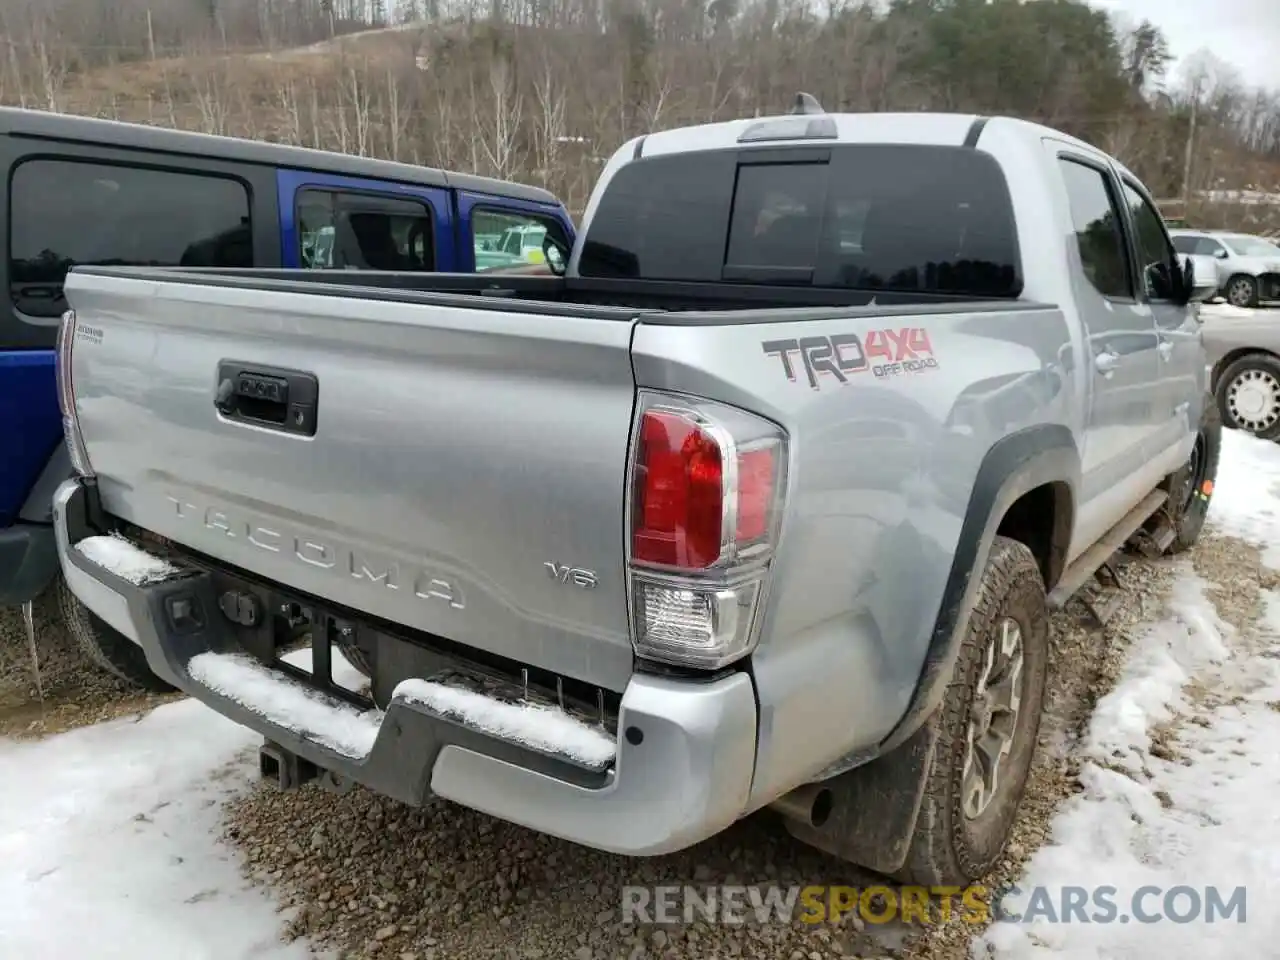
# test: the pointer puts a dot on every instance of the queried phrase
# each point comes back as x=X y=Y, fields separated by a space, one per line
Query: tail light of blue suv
x=708 y=483
x=67 y=396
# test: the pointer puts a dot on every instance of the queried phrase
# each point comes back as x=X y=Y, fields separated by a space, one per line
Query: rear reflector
x=756 y=470
x=67 y=396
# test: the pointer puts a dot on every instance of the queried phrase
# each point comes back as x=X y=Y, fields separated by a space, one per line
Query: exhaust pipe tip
x=810 y=805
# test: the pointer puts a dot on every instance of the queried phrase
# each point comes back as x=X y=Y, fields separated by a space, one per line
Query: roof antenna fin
x=806 y=104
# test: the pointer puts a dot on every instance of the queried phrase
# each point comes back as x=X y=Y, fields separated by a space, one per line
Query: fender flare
x=1013 y=466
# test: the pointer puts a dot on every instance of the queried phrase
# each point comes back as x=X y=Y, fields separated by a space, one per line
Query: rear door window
x=509 y=238
x=346 y=230
x=63 y=213
x=869 y=216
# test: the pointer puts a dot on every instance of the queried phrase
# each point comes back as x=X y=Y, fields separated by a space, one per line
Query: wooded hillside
x=543 y=90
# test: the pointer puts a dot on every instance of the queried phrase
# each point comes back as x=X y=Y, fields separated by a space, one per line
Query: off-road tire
x=947 y=848
x=105 y=646
x=1241 y=281
x=1263 y=362
x=1188 y=513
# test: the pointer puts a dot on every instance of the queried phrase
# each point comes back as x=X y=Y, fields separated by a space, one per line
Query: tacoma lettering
x=368 y=569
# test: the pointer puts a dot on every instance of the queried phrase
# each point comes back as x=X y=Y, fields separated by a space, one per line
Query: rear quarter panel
x=882 y=466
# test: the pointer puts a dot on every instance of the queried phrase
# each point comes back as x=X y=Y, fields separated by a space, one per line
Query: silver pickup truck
x=762 y=500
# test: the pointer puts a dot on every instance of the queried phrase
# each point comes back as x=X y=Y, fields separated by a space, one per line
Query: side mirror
x=555 y=255
x=1198 y=289
x=1220 y=253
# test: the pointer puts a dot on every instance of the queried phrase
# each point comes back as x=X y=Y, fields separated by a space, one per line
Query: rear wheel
x=1248 y=395
x=105 y=646
x=988 y=726
x=1191 y=487
x=1242 y=291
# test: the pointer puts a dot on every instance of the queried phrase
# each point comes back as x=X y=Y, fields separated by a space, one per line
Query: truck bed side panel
x=457 y=454
x=882 y=467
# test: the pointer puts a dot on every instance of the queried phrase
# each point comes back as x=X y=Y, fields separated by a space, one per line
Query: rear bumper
x=28 y=561
x=682 y=771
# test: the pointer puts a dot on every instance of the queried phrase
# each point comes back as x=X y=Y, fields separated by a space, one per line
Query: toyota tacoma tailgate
x=456 y=471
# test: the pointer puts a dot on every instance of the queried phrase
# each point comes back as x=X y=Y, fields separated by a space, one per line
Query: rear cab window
x=64 y=213
x=902 y=218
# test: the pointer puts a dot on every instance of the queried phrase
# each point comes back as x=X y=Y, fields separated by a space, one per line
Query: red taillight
x=679 y=493
x=708 y=483
x=684 y=495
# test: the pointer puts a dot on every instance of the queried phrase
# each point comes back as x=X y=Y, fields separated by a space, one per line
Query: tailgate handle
x=271 y=397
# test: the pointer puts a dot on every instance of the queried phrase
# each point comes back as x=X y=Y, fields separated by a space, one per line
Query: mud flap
x=874 y=807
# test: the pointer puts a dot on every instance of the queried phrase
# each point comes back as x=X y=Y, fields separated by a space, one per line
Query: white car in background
x=1243 y=350
x=1248 y=266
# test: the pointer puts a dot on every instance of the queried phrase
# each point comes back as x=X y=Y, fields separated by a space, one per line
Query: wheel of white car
x=1242 y=291
x=105 y=646
x=1248 y=395
x=987 y=725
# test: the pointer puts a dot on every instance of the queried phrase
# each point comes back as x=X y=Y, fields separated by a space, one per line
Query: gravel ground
x=381 y=881
x=70 y=691
x=376 y=879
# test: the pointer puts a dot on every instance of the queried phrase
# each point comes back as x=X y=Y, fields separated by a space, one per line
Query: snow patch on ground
x=1150 y=689
x=107 y=840
x=1197 y=813
x=1246 y=497
x=541 y=728
x=287 y=702
x=117 y=555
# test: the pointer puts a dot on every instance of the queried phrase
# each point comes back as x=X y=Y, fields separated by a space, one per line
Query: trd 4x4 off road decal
x=886 y=353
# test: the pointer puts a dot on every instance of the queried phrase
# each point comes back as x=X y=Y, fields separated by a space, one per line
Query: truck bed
x=600 y=298
x=455 y=449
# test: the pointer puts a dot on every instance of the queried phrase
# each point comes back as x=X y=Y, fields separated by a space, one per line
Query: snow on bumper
x=679 y=771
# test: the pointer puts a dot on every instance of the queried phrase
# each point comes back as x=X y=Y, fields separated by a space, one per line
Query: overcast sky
x=1243 y=33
